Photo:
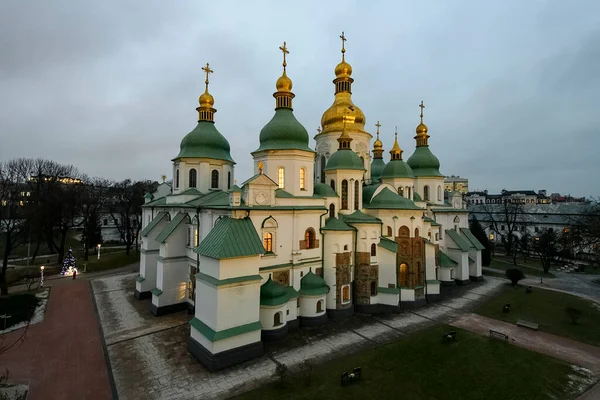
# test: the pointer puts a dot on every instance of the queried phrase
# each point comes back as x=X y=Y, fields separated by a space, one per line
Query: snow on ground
x=38 y=314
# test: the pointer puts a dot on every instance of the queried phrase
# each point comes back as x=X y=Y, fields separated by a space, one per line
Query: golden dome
x=333 y=119
x=378 y=145
x=421 y=129
x=206 y=100
x=284 y=83
x=396 y=150
x=343 y=70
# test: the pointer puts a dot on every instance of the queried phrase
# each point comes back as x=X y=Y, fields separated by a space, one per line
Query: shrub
x=573 y=313
x=514 y=275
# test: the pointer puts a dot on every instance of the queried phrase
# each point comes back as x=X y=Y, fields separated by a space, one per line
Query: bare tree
x=585 y=229
x=505 y=219
x=125 y=206
x=92 y=202
x=13 y=224
x=546 y=247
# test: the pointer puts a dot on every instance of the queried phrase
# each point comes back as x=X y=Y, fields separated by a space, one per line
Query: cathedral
x=314 y=234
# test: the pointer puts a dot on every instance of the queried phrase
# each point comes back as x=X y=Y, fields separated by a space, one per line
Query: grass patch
x=116 y=259
x=19 y=306
x=548 y=309
x=420 y=366
x=528 y=270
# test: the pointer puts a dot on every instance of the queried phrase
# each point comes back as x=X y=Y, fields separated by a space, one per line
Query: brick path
x=62 y=356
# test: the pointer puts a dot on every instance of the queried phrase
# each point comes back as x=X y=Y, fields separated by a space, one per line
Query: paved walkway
x=62 y=356
x=573 y=352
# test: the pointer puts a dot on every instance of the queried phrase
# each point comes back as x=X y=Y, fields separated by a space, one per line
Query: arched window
x=268 y=242
x=302 y=179
x=323 y=161
x=346 y=293
x=309 y=238
x=373 y=288
x=389 y=231
x=344 y=194
x=404 y=231
x=331 y=210
x=373 y=250
x=401 y=191
x=332 y=184
x=417 y=232
x=281 y=177
x=228 y=180
x=277 y=319
x=177 y=179
x=345 y=247
x=403 y=275
x=192 y=178
x=320 y=306
x=214 y=179
x=356 y=193
x=426 y=193
x=440 y=194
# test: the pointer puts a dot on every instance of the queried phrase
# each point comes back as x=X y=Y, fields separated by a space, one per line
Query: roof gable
x=472 y=239
x=461 y=242
x=171 y=226
x=231 y=238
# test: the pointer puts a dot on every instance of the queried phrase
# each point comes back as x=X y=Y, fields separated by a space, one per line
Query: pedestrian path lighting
x=99 y=245
x=42 y=276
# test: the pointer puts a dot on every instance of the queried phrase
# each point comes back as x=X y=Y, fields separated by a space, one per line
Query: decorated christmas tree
x=68 y=264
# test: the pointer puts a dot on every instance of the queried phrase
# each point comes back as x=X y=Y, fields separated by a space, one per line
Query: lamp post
x=99 y=245
x=42 y=276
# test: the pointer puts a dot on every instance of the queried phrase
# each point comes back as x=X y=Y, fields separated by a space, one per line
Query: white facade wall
x=407 y=185
x=407 y=294
x=267 y=316
x=226 y=344
x=172 y=278
x=237 y=305
x=292 y=309
x=436 y=184
x=389 y=299
x=334 y=243
x=387 y=268
x=327 y=144
x=429 y=261
x=204 y=168
x=292 y=162
x=351 y=176
x=475 y=267
x=461 y=271
x=308 y=306
x=446 y=274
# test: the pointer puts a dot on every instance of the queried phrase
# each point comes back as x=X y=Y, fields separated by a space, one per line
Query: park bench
x=498 y=335
x=528 y=324
x=350 y=377
x=449 y=337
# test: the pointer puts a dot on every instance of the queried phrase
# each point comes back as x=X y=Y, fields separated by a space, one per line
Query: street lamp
x=99 y=245
x=42 y=276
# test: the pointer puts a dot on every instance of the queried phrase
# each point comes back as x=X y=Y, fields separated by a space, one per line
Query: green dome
x=272 y=293
x=388 y=200
x=397 y=169
x=344 y=159
x=324 y=190
x=283 y=132
x=377 y=167
x=313 y=285
x=205 y=141
x=424 y=163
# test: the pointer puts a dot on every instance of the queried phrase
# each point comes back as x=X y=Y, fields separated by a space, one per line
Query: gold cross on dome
x=208 y=71
x=343 y=40
x=285 y=51
x=422 y=107
x=378 y=125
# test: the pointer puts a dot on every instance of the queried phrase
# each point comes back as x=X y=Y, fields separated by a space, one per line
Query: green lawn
x=529 y=269
x=111 y=260
x=546 y=308
x=20 y=307
x=420 y=366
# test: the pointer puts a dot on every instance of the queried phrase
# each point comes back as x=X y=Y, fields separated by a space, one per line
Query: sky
x=511 y=87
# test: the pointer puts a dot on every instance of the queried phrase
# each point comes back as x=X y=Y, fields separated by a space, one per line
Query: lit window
x=309 y=238
x=566 y=230
x=491 y=236
x=302 y=179
x=346 y=293
x=196 y=237
x=268 y=242
x=281 y=177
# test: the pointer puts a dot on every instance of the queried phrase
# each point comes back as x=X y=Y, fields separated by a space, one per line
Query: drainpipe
x=322 y=243
x=355 y=266
x=197 y=244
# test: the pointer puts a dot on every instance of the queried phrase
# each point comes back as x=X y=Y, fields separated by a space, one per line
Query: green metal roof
x=377 y=166
x=312 y=285
x=359 y=217
x=158 y=202
x=472 y=239
x=324 y=190
x=386 y=199
x=345 y=159
x=461 y=242
x=171 y=226
x=215 y=198
x=159 y=217
x=190 y=191
x=336 y=224
x=432 y=221
x=272 y=293
x=424 y=163
x=368 y=192
x=417 y=197
x=388 y=244
x=445 y=261
x=205 y=141
x=231 y=238
x=397 y=169
x=235 y=189
x=283 y=132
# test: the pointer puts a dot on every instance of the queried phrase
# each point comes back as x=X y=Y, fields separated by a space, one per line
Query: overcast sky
x=511 y=88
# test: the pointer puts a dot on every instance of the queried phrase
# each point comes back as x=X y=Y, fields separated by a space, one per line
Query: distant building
x=455 y=183
x=509 y=196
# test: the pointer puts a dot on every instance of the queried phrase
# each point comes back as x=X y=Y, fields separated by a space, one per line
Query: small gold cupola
x=421 y=130
x=283 y=95
x=396 y=151
x=206 y=112
x=345 y=139
x=378 y=145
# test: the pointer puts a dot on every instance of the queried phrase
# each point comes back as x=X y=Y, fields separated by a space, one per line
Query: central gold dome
x=333 y=119
x=343 y=70
x=206 y=100
x=284 y=83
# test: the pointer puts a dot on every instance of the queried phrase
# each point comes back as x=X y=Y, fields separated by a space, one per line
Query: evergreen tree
x=68 y=264
x=479 y=233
